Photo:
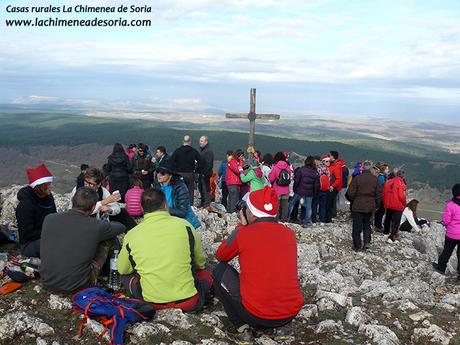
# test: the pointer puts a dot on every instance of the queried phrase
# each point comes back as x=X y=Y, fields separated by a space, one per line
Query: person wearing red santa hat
x=35 y=203
x=266 y=294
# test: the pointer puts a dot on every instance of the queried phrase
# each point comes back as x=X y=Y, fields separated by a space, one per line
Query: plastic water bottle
x=114 y=277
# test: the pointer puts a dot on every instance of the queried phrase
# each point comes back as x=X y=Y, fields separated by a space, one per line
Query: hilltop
x=67 y=138
x=388 y=295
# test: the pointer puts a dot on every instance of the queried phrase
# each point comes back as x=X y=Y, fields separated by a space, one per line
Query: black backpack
x=284 y=178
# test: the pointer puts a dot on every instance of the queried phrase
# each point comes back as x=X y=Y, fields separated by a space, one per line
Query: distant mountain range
x=55 y=135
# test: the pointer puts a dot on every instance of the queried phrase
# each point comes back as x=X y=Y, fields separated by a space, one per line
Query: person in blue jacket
x=221 y=176
x=176 y=192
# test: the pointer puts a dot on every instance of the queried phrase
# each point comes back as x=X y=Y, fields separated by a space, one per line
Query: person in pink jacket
x=133 y=199
x=280 y=177
x=451 y=220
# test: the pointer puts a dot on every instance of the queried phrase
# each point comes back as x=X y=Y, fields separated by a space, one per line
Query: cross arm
x=268 y=116
x=236 y=116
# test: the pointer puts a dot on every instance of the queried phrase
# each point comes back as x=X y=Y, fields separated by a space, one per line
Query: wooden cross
x=252 y=116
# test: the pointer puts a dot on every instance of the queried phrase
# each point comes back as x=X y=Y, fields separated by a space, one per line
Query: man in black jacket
x=186 y=160
x=207 y=163
x=35 y=203
x=75 y=246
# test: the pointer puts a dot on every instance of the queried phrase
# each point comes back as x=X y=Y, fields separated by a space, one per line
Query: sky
x=392 y=58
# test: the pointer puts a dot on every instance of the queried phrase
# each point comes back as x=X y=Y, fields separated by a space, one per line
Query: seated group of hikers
x=161 y=259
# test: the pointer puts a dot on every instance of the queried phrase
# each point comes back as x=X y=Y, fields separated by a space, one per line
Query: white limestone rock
x=356 y=317
x=174 y=317
x=56 y=302
x=329 y=326
x=18 y=323
x=381 y=335
x=434 y=333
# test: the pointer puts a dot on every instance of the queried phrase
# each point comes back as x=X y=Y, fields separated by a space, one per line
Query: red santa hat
x=262 y=202
x=39 y=175
x=326 y=157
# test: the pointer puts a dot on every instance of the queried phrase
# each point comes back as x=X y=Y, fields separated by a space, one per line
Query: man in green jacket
x=162 y=260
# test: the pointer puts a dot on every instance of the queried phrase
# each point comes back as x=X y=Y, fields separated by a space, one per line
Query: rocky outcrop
x=386 y=295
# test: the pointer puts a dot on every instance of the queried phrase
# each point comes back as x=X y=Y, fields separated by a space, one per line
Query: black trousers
x=189 y=179
x=449 y=246
x=331 y=205
x=361 y=224
x=392 y=220
x=124 y=218
x=227 y=289
x=379 y=215
x=204 y=187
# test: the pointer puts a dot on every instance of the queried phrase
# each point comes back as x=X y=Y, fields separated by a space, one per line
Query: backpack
x=324 y=183
x=284 y=178
x=345 y=174
x=115 y=313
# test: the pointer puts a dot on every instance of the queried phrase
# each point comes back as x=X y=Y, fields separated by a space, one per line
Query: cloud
x=412 y=53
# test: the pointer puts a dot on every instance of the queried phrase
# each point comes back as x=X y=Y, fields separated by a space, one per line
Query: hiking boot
x=283 y=333
x=366 y=246
x=240 y=336
x=439 y=270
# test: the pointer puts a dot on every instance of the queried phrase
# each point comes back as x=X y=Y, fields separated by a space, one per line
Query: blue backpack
x=115 y=313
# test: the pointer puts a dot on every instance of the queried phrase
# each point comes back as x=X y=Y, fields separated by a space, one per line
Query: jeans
x=331 y=206
x=233 y=197
x=224 y=194
x=361 y=223
x=319 y=206
x=307 y=205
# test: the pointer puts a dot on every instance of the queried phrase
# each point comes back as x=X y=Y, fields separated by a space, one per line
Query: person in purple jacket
x=306 y=187
x=451 y=220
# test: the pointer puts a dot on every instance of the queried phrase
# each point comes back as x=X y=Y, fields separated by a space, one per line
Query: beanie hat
x=456 y=190
x=39 y=175
x=262 y=202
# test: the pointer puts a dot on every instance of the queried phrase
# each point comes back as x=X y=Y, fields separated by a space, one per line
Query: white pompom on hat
x=262 y=202
x=39 y=175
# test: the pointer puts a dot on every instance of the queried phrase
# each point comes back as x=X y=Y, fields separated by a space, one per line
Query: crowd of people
x=148 y=196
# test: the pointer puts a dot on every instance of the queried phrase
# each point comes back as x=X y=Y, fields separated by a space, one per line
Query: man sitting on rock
x=267 y=293
x=35 y=203
x=162 y=260
x=75 y=246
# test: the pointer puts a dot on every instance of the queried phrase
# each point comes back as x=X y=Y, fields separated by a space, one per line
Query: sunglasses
x=162 y=173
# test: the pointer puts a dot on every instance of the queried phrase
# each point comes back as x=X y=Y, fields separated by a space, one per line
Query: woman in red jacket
x=233 y=180
x=394 y=200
